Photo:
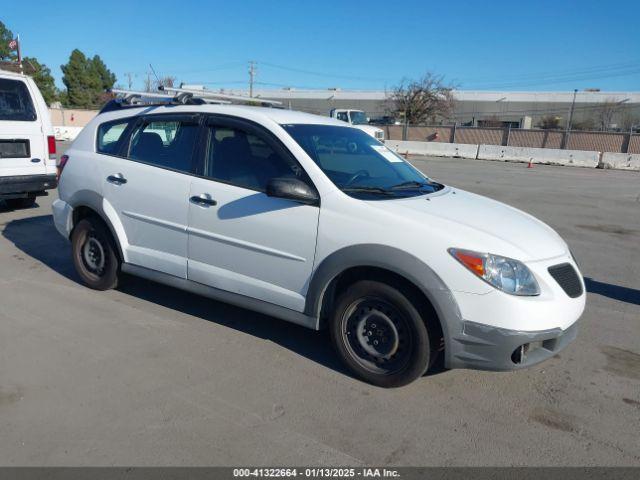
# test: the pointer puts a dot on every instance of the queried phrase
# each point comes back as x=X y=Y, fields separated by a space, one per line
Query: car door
x=147 y=183
x=240 y=239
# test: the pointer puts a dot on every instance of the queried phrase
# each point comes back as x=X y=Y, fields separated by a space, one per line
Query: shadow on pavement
x=38 y=238
x=616 y=292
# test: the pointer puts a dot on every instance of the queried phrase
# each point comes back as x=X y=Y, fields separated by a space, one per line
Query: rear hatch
x=23 y=144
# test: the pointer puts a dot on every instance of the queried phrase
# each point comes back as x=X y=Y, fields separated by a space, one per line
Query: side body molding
x=394 y=260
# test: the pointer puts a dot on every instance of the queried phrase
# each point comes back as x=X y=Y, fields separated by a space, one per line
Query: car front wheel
x=94 y=254
x=380 y=335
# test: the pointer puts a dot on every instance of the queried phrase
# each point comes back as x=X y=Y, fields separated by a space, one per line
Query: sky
x=349 y=44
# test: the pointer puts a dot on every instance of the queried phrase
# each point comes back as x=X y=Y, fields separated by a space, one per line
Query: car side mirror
x=292 y=189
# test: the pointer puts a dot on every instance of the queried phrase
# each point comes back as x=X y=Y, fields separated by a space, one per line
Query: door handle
x=203 y=201
x=116 y=179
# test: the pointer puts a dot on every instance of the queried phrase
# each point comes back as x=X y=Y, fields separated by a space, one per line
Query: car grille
x=567 y=278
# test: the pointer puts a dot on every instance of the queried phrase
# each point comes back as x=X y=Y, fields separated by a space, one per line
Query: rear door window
x=166 y=142
x=15 y=101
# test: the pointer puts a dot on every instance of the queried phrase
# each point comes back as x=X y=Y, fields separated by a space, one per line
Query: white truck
x=358 y=119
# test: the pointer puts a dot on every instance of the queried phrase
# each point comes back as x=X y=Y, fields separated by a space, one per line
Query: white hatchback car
x=305 y=218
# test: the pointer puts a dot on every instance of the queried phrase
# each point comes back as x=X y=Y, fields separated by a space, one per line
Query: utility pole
x=252 y=74
x=568 y=126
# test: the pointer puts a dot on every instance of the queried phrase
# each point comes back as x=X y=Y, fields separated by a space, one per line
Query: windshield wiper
x=410 y=184
x=379 y=190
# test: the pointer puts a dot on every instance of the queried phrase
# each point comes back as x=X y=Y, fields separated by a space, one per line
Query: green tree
x=107 y=78
x=83 y=82
x=6 y=36
x=43 y=78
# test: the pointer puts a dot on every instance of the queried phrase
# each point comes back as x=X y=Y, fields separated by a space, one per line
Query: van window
x=165 y=143
x=110 y=136
x=15 y=101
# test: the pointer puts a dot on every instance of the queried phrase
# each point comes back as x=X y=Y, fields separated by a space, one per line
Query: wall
x=71 y=117
x=575 y=140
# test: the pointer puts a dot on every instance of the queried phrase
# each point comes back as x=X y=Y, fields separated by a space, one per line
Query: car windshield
x=15 y=101
x=358 y=118
x=360 y=165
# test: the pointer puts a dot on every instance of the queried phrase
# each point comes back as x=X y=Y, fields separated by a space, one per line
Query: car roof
x=258 y=114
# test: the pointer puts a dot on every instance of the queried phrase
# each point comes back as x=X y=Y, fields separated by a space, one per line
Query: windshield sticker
x=387 y=154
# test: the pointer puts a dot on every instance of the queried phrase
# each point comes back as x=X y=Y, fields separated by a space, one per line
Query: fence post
x=506 y=142
x=405 y=129
x=452 y=139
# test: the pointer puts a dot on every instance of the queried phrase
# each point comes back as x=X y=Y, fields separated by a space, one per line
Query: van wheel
x=25 y=202
x=380 y=335
x=94 y=254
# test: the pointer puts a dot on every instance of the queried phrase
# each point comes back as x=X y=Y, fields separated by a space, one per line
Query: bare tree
x=550 y=122
x=167 y=81
x=604 y=113
x=425 y=100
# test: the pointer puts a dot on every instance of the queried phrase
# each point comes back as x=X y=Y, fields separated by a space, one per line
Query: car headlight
x=506 y=274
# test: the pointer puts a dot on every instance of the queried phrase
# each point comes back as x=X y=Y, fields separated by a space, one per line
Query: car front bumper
x=23 y=185
x=484 y=347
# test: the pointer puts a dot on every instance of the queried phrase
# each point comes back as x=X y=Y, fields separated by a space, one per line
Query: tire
x=25 y=202
x=94 y=254
x=368 y=312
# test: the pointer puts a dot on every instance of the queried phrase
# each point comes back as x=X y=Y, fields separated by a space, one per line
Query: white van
x=27 y=142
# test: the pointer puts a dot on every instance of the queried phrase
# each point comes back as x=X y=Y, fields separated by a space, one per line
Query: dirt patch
x=9 y=395
x=621 y=362
x=631 y=401
x=554 y=419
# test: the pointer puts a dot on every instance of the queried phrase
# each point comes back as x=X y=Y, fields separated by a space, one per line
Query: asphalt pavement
x=149 y=375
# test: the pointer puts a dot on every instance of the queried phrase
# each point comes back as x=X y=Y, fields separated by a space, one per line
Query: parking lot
x=148 y=375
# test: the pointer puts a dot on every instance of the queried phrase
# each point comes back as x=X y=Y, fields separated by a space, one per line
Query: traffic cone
x=530 y=163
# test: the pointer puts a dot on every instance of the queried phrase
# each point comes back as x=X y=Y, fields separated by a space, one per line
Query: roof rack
x=177 y=96
x=219 y=97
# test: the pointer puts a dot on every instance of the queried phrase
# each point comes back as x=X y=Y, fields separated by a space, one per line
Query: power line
x=322 y=74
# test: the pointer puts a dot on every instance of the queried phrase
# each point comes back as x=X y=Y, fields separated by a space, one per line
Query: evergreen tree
x=84 y=85
x=107 y=78
x=6 y=36
x=43 y=79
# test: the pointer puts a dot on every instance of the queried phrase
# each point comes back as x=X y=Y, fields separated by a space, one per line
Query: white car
x=27 y=142
x=305 y=218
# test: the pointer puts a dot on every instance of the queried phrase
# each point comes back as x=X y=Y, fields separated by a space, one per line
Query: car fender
x=392 y=259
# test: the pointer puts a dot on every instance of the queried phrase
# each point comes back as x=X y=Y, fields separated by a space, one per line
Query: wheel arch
x=87 y=203
x=389 y=264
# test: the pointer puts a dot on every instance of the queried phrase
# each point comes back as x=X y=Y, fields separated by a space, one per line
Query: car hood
x=469 y=221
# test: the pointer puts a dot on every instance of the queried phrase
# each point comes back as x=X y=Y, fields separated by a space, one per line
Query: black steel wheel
x=380 y=335
x=94 y=254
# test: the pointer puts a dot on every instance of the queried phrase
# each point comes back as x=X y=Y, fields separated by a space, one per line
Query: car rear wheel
x=94 y=254
x=380 y=335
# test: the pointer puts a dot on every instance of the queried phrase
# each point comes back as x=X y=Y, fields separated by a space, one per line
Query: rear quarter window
x=111 y=135
x=15 y=101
